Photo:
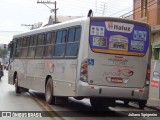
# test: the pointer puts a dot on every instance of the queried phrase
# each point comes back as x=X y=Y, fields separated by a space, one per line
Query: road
x=35 y=101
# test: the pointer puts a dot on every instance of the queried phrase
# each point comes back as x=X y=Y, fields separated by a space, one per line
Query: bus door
x=12 y=49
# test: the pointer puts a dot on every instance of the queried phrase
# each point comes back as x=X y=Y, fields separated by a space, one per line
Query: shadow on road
x=75 y=108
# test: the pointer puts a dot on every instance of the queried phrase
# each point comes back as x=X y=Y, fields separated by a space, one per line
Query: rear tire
x=49 y=92
x=17 y=88
x=97 y=103
x=126 y=102
x=142 y=104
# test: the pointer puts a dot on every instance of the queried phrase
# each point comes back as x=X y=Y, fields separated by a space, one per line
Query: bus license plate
x=116 y=80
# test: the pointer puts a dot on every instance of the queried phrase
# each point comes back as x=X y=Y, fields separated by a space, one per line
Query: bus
x=101 y=58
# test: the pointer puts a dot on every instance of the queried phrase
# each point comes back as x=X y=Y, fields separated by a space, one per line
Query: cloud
x=5 y=39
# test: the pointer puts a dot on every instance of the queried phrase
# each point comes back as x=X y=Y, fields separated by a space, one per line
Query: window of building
x=143 y=8
x=156 y=52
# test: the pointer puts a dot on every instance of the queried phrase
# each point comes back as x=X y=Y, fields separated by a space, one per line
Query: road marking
x=46 y=107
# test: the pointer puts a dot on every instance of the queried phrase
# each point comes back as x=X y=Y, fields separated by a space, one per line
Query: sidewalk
x=153 y=103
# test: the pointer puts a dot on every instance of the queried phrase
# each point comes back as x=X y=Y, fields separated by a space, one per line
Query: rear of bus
x=118 y=63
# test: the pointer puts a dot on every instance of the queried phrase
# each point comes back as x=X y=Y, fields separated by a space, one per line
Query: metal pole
x=55 y=12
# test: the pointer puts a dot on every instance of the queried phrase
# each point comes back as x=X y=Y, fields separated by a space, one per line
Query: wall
x=152 y=14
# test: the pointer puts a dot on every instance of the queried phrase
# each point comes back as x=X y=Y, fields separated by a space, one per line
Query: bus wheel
x=17 y=88
x=97 y=103
x=142 y=104
x=126 y=102
x=49 y=92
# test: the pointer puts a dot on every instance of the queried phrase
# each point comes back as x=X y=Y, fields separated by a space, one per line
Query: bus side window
x=78 y=34
x=18 y=49
x=71 y=35
x=48 y=47
x=60 y=43
x=53 y=37
x=40 y=45
x=13 y=49
x=73 y=42
x=32 y=46
x=25 y=44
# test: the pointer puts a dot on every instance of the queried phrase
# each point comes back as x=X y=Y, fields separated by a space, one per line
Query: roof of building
x=61 y=18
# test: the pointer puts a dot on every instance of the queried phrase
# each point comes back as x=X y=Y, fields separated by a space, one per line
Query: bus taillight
x=148 y=75
x=84 y=71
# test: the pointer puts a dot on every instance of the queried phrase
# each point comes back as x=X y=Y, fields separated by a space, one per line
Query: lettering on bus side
x=118 y=61
x=40 y=65
x=117 y=72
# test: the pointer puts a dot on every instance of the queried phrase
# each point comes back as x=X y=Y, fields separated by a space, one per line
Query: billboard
x=119 y=38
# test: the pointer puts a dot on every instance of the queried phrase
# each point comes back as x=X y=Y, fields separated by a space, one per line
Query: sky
x=13 y=13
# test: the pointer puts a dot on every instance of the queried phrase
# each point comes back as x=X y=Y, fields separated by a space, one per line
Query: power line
x=121 y=11
x=115 y=4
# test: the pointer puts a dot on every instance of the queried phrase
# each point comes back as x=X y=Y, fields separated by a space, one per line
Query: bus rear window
x=119 y=38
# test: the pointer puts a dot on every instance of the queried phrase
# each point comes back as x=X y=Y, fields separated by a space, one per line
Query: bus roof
x=51 y=27
x=76 y=22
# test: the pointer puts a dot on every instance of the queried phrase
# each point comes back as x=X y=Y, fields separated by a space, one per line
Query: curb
x=153 y=107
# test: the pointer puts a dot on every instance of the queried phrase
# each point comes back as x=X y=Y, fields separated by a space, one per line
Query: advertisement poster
x=119 y=38
x=155 y=80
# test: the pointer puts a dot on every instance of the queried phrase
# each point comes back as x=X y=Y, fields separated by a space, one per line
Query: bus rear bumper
x=86 y=90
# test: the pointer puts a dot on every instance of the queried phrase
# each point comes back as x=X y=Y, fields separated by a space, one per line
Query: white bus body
x=111 y=62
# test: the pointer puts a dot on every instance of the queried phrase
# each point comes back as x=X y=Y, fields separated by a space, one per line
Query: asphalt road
x=74 y=109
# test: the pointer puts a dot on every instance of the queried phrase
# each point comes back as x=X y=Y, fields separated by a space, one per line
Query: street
x=35 y=101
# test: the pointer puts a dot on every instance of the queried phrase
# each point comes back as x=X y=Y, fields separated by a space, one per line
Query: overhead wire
x=115 y=4
x=120 y=11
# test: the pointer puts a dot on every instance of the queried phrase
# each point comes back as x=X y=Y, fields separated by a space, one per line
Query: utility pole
x=27 y=25
x=52 y=10
x=104 y=9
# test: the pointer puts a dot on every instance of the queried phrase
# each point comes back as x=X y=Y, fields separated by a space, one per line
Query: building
x=61 y=19
x=149 y=11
